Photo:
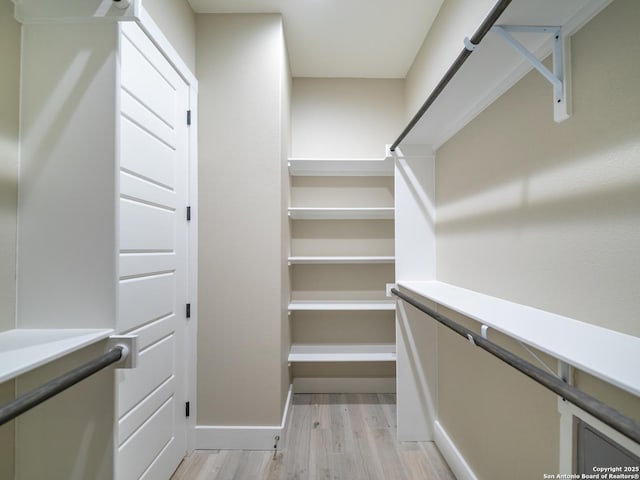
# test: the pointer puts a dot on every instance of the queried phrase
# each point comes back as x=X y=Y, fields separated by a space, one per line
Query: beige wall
x=456 y=20
x=546 y=215
x=285 y=115
x=178 y=22
x=345 y=118
x=9 y=101
x=242 y=308
x=9 y=111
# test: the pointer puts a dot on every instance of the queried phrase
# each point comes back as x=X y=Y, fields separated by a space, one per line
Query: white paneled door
x=154 y=152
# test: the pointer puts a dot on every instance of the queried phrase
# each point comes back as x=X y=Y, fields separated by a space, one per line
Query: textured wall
x=345 y=118
x=9 y=100
x=242 y=310
x=546 y=215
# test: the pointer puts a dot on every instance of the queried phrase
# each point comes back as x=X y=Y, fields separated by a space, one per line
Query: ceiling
x=343 y=38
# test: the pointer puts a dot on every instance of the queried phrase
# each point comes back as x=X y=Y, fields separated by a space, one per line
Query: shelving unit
x=343 y=353
x=313 y=167
x=494 y=66
x=386 y=213
x=489 y=71
x=343 y=259
x=336 y=316
x=343 y=305
x=25 y=349
x=603 y=353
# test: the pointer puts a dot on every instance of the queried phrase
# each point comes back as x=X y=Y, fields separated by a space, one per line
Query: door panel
x=151 y=430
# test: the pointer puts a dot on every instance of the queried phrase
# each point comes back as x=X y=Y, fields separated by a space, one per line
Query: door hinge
x=188 y=117
x=188 y=310
x=186 y=409
x=188 y=214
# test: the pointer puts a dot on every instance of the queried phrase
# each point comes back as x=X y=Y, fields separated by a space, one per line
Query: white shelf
x=606 y=354
x=313 y=167
x=339 y=305
x=342 y=259
x=22 y=350
x=301 y=213
x=343 y=353
x=494 y=66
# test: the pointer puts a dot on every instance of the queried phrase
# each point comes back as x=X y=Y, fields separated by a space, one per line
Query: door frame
x=153 y=31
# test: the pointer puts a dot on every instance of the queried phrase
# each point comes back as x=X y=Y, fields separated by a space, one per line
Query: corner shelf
x=343 y=353
x=370 y=363
x=310 y=260
x=23 y=349
x=342 y=305
x=304 y=213
x=495 y=66
x=606 y=354
x=317 y=167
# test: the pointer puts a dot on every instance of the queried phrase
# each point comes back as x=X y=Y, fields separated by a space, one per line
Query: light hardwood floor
x=333 y=437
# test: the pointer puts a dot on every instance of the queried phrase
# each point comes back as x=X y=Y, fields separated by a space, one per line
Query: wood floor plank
x=367 y=461
x=328 y=437
x=296 y=460
x=386 y=451
x=342 y=440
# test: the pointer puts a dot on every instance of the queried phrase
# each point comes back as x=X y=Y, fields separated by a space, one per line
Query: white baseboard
x=452 y=455
x=229 y=437
x=344 y=385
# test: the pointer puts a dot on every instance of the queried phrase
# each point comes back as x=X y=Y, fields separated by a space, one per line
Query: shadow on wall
x=546 y=214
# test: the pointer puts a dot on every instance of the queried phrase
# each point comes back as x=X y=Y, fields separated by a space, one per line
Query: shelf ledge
x=317 y=167
x=303 y=213
x=342 y=259
x=343 y=353
x=338 y=305
x=23 y=349
x=606 y=354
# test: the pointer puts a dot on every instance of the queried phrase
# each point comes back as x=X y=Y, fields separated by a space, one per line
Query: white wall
x=546 y=215
x=242 y=308
x=178 y=23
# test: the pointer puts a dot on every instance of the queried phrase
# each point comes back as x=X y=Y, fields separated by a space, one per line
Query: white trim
x=191 y=332
x=451 y=454
x=152 y=30
x=228 y=437
x=344 y=385
x=567 y=413
x=329 y=167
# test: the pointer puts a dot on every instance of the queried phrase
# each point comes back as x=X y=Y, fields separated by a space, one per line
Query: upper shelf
x=494 y=66
x=383 y=213
x=341 y=259
x=609 y=355
x=343 y=353
x=317 y=167
x=22 y=350
x=342 y=305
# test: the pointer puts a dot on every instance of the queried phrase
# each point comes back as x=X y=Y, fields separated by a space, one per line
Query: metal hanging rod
x=603 y=412
x=53 y=387
x=470 y=45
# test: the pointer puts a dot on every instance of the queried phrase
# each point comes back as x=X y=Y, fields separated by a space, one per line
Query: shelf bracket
x=560 y=77
x=129 y=344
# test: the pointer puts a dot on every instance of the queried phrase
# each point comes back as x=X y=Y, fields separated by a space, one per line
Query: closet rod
x=35 y=397
x=482 y=30
x=603 y=412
